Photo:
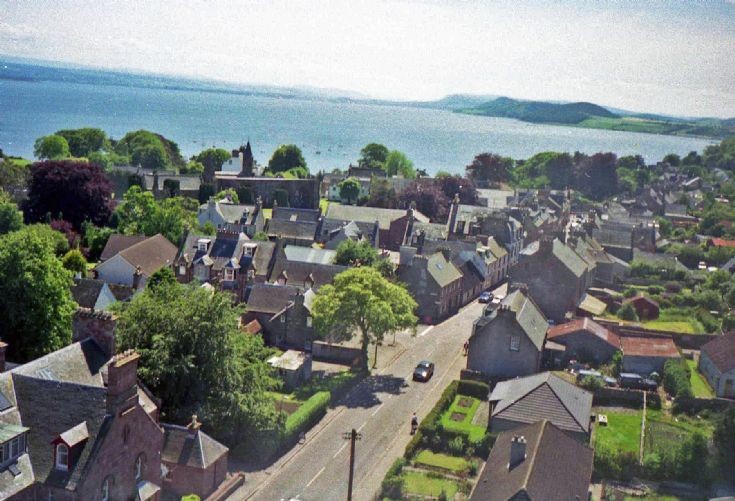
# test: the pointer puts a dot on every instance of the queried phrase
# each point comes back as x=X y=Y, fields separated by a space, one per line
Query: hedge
x=474 y=389
x=306 y=416
x=677 y=378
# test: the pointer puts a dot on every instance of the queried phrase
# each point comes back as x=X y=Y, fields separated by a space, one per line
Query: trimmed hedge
x=306 y=416
x=677 y=378
x=474 y=389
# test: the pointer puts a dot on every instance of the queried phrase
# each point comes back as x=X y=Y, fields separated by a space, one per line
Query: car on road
x=423 y=371
x=486 y=297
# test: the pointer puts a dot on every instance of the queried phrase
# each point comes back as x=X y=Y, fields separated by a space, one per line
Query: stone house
x=584 y=340
x=434 y=282
x=535 y=462
x=555 y=275
x=644 y=355
x=283 y=312
x=518 y=402
x=508 y=340
x=134 y=265
x=248 y=219
x=472 y=221
x=645 y=307
x=717 y=363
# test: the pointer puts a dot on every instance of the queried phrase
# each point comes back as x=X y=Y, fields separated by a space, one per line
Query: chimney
x=446 y=253
x=137 y=274
x=3 y=347
x=517 y=451
x=97 y=325
x=193 y=427
x=406 y=255
x=546 y=244
x=453 y=210
x=122 y=382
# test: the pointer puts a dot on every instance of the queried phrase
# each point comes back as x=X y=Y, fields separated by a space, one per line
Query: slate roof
x=81 y=363
x=569 y=258
x=527 y=313
x=262 y=258
x=198 y=451
x=556 y=467
x=283 y=228
x=86 y=291
x=232 y=213
x=721 y=351
x=558 y=332
x=370 y=214
x=118 y=243
x=151 y=254
x=649 y=347
x=298 y=272
x=294 y=214
x=226 y=248
x=269 y=298
x=543 y=396
x=442 y=271
x=309 y=254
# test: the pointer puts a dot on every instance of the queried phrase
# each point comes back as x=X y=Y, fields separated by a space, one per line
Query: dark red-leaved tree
x=595 y=176
x=429 y=200
x=464 y=186
x=69 y=190
x=489 y=169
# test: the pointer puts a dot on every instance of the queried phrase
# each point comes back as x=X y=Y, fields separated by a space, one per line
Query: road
x=380 y=408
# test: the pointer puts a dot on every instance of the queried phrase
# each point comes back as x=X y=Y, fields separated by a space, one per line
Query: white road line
x=426 y=330
x=362 y=426
x=315 y=477
x=340 y=450
x=376 y=410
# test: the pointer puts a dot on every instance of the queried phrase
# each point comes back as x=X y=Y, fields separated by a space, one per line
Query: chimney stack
x=97 y=325
x=137 y=274
x=517 y=451
x=3 y=347
x=122 y=382
x=194 y=426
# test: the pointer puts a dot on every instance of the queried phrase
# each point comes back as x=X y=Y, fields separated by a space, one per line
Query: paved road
x=379 y=408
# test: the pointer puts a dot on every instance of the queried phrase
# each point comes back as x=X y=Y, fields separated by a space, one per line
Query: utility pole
x=352 y=436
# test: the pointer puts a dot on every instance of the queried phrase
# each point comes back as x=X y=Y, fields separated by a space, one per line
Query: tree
x=382 y=194
x=627 y=312
x=673 y=159
x=13 y=177
x=373 y=156
x=139 y=212
x=596 y=176
x=724 y=437
x=74 y=262
x=352 y=253
x=429 y=200
x=150 y=156
x=11 y=219
x=77 y=191
x=286 y=157
x=51 y=147
x=452 y=185
x=349 y=189
x=719 y=155
x=195 y=358
x=229 y=194
x=260 y=236
x=361 y=301
x=95 y=239
x=85 y=141
x=133 y=142
x=36 y=304
x=398 y=164
x=161 y=278
x=192 y=167
x=384 y=267
x=212 y=159
x=489 y=168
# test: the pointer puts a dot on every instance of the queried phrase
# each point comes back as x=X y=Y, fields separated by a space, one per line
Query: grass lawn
x=700 y=387
x=444 y=461
x=419 y=483
x=459 y=417
x=329 y=383
x=675 y=321
x=654 y=497
x=623 y=430
x=688 y=424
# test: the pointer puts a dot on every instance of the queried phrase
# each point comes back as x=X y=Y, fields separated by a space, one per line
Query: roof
x=295 y=214
x=290 y=360
x=309 y=254
x=543 y=396
x=641 y=299
x=648 y=347
x=252 y=327
x=527 y=314
x=721 y=242
x=118 y=243
x=558 y=332
x=591 y=304
x=197 y=450
x=151 y=254
x=569 y=258
x=86 y=291
x=299 y=273
x=75 y=435
x=721 y=351
x=283 y=228
x=442 y=271
x=269 y=298
x=370 y=214
x=81 y=363
x=262 y=258
x=8 y=431
x=556 y=467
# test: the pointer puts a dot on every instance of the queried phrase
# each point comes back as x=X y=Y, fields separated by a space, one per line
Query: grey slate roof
x=117 y=243
x=309 y=254
x=298 y=272
x=543 y=396
x=283 y=228
x=269 y=298
x=369 y=214
x=527 y=313
x=81 y=363
x=442 y=271
x=85 y=291
x=199 y=451
x=556 y=467
x=294 y=214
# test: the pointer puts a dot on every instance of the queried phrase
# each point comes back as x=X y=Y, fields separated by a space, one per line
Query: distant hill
x=540 y=112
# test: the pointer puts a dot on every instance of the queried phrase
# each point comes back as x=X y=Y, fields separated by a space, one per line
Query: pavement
x=380 y=409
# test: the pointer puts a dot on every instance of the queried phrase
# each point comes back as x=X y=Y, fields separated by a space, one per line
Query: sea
x=329 y=132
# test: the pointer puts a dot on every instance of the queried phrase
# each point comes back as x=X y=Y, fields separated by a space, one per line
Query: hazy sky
x=665 y=56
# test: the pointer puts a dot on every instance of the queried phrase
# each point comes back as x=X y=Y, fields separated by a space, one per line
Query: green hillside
x=540 y=112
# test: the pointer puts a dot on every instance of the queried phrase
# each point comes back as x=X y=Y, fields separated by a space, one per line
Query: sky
x=665 y=56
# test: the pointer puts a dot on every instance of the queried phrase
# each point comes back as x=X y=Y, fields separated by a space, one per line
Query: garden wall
x=336 y=354
x=685 y=341
x=626 y=398
x=696 y=405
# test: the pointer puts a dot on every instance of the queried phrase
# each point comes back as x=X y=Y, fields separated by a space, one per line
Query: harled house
x=135 y=264
x=717 y=363
x=433 y=281
x=248 y=219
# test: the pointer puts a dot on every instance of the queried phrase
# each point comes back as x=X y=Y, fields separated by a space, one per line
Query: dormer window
x=139 y=467
x=105 y=491
x=229 y=274
x=62 y=457
x=13 y=444
x=203 y=244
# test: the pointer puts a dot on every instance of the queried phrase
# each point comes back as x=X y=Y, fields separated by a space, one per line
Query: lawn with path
x=700 y=387
x=458 y=418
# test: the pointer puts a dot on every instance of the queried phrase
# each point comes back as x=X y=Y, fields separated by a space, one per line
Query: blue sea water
x=330 y=133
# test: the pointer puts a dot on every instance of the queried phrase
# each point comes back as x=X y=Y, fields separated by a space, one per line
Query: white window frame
x=182 y=269
x=64 y=466
x=139 y=467
x=515 y=343
x=283 y=319
x=229 y=274
x=106 y=489
x=309 y=321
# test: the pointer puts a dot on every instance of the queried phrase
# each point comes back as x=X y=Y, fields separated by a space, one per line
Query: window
x=2 y=453
x=515 y=343
x=283 y=319
x=308 y=321
x=106 y=489
x=51 y=496
x=251 y=274
x=62 y=457
x=15 y=447
x=139 y=467
x=229 y=274
x=182 y=270
x=126 y=434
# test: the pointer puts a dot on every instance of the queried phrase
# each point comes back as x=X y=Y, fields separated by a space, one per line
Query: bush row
x=677 y=378
x=306 y=416
x=474 y=389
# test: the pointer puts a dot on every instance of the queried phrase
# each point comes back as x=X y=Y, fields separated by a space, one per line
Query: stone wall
x=302 y=193
x=335 y=353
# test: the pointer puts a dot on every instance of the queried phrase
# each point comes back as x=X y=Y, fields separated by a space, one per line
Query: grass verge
x=700 y=387
x=443 y=461
x=426 y=485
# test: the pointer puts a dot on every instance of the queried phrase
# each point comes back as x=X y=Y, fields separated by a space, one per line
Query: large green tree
x=373 y=155
x=139 y=212
x=51 y=147
x=196 y=359
x=36 y=304
x=144 y=147
x=212 y=158
x=398 y=164
x=349 y=189
x=285 y=158
x=11 y=219
x=353 y=253
x=489 y=168
x=361 y=301
x=82 y=142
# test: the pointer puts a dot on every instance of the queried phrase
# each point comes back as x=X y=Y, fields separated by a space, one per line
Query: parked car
x=486 y=297
x=423 y=371
x=637 y=382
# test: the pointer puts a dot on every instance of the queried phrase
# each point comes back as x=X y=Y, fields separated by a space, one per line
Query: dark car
x=637 y=382
x=486 y=297
x=423 y=371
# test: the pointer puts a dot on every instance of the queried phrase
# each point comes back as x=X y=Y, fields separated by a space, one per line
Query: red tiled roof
x=722 y=352
x=648 y=347
x=721 y=242
x=583 y=324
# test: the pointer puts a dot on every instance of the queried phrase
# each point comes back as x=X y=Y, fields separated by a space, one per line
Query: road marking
x=362 y=426
x=315 y=477
x=376 y=410
x=426 y=330
x=340 y=450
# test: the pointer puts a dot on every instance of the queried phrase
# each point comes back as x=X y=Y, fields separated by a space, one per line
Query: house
x=117 y=243
x=134 y=265
x=470 y=221
x=283 y=312
x=606 y=268
x=192 y=461
x=302 y=193
x=645 y=307
x=717 y=363
x=644 y=355
x=292 y=232
x=248 y=219
x=535 y=462
x=433 y=281
x=332 y=235
x=294 y=367
x=92 y=293
x=508 y=340
x=555 y=275
x=304 y=275
x=518 y=402
x=585 y=340
x=720 y=242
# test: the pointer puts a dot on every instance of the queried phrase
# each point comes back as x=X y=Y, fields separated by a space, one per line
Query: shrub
x=457 y=446
x=393 y=488
x=591 y=383
x=627 y=312
x=396 y=468
x=442 y=496
x=615 y=464
x=676 y=378
x=631 y=292
x=306 y=416
x=474 y=468
x=475 y=389
x=655 y=289
x=673 y=287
